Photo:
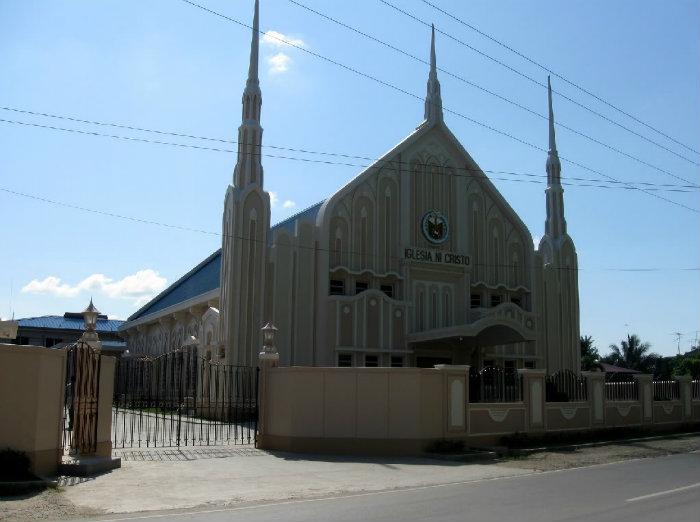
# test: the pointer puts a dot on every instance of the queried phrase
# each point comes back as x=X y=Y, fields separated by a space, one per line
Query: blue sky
x=169 y=66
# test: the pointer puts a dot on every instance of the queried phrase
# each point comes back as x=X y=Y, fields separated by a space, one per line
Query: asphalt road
x=660 y=489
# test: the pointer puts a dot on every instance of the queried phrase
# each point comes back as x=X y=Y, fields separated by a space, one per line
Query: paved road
x=660 y=489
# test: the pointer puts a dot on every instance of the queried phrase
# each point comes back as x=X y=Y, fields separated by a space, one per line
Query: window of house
x=476 y=301
x=337 y=287
x=516 y=301
x=51 y=341
x=371 y=361
x=388 y=290
x=529 y=365
x=396 y=362
x=361 y=286
x=496 y=299
x=344 y=360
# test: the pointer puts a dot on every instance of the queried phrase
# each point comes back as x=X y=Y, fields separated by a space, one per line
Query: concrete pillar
x=646 y=396
x=104 y=406
x=268 y=359
x=534 y=398
x=686 y=395
x=596 y=397
x=456 y=379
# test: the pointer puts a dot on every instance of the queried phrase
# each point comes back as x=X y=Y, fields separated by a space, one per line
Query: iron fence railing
x=180 y=399
x=667 y=390
x=566 y=386
x=695 y=389
x=621 y=387
x=495 y=384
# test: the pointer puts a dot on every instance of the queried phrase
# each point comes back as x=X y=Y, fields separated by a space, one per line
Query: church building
x=417 y=261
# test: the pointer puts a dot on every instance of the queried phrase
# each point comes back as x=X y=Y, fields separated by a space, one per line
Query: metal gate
x=180 y=399
x=82 y=394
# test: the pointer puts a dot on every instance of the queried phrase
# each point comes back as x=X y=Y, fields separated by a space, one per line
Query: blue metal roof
x=201 y=279
x=206 y=275
x=59 y=322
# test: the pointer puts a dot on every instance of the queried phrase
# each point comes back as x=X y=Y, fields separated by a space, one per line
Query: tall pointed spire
x=555 y=225
x=254 y=46
x=248 y=167
x=433 y=98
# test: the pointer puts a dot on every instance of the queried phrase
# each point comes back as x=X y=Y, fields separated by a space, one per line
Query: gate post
x=268 y=358
x=534 y=398
x=686 y=394
x=596 y=397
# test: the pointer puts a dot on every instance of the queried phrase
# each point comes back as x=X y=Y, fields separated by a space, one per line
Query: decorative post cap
x=90 y=317
x=269 y=351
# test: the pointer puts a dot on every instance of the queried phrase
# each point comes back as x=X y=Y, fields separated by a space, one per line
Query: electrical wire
x=554 y=73
x=477 y=173
x=302 y=247
x=413 y=95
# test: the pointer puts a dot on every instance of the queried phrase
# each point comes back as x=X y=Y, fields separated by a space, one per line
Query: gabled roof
x=60 y=322
x=206 y=276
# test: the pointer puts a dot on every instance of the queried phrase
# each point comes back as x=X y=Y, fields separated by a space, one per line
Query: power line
x=291 y=149
x=492 y=93
x=303 y=247
x=553 y=73
x=477 y=173
x=413 y=95
x=535 y=81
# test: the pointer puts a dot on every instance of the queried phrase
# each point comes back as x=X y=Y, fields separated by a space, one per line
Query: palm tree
x=632 y=354
x=589 y=353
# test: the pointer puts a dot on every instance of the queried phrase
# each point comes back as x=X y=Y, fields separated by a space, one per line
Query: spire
x=254 y=46
x=248 y=167
x=555 y=225
x=433 y=99
x=552 y=139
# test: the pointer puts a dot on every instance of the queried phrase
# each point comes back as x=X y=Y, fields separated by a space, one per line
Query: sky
x=169 y=66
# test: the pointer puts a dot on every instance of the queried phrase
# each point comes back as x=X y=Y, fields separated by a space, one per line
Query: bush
x=14 y=466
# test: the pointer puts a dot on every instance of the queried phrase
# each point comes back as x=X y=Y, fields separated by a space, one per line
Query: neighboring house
x=416 y=261
x=611 y=368
x=57 y=331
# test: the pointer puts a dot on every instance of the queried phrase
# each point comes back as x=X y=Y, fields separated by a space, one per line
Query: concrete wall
x=407 y=410
x=31 y=403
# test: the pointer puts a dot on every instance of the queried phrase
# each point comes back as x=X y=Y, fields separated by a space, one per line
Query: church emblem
x=435 y=227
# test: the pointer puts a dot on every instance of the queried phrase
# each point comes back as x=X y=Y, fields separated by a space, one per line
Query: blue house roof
x=206 y=275
x=60 y=322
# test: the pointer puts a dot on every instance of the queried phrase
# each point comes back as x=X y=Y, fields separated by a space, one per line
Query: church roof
x=206 y=276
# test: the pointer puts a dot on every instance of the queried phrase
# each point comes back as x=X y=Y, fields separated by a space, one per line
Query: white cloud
x=536 y=241
x=279 y=63
x=289 y=204
x=273 y=198
x=277 y=39
x=138 y=288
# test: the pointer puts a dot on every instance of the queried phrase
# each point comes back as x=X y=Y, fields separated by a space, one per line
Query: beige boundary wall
x=32 y=390
x=407 y=410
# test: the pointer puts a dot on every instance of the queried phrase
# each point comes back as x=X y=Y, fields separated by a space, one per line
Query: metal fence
x=667 y=390
x=495 y=384
x=621 y=387
x=566 y=386
x=695 y=389
x=180 y=399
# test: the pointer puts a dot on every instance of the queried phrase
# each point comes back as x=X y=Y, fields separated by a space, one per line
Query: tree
x=688 y=363
x=632 y=354
x=589 y=353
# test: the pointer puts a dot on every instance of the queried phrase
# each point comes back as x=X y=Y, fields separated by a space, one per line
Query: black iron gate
x=82 y=394
x=180 y=399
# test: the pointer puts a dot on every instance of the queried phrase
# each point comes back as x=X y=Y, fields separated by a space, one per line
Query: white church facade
x=417 y=261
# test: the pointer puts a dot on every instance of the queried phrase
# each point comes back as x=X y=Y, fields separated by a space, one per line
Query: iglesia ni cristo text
x=417 y=261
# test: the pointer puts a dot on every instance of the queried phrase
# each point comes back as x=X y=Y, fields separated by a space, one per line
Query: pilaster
x=596 y=397
x=534 y=398
x=646 y=397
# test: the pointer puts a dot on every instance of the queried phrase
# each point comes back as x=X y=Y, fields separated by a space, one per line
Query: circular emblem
x=435 y=227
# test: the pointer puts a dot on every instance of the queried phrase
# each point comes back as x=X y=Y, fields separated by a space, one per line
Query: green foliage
x=687 y=364
x=589 y=353
x=632 y=354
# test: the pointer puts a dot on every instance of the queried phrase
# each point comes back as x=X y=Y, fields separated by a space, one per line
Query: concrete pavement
x=662 y=488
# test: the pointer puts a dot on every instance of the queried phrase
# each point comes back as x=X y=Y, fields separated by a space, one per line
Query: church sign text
x=435 y=256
